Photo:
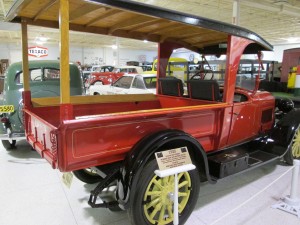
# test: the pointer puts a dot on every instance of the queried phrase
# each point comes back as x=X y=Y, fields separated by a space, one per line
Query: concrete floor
x=32 y=193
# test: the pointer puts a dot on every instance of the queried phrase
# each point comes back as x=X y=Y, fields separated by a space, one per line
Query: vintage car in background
x=44 y=82
x=104 y=78
x=127 y=84
x=147 y=67
x=96 y=68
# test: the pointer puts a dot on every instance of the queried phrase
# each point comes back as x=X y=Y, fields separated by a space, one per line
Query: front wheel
x=9 y=145
x=87 y=175
x=152 y=201
x=294 y=148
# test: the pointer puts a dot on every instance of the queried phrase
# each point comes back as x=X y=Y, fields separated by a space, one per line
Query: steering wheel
x=38 y=78
x=201 y=75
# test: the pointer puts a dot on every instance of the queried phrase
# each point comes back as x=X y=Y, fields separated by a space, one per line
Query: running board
x=236 y=160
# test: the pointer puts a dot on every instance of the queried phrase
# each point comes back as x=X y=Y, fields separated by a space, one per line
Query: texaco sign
x=37 y=51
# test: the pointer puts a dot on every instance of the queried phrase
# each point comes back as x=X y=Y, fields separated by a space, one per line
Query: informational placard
x=173 y=158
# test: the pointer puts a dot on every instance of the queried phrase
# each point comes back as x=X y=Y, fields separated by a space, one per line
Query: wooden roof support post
x=66 y=109
x=26 y=92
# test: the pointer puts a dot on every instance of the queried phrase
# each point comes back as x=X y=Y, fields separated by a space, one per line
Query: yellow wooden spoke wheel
x=294 y=148
x=296 y=145
x=152 y=198
x=159 y=198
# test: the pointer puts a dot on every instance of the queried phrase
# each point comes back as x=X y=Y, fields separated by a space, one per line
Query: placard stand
x=291 y=203
x=174 y=171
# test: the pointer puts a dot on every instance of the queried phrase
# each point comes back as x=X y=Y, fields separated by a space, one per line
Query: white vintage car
x=127 y=84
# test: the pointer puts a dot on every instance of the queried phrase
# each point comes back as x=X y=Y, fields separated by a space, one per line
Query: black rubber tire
x=295 y=144
x=115 y=209
x=9 y=146
x=87 y=177
x=136 y=212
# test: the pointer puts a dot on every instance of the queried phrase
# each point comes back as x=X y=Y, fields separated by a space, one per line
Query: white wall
x=116 y=57
x=81 y=54
x=275 y=55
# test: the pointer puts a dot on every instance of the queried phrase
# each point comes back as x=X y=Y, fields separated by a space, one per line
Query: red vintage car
x=104 y=78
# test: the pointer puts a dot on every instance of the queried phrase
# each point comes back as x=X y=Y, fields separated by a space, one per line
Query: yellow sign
x=6 y=108
x=173 y=158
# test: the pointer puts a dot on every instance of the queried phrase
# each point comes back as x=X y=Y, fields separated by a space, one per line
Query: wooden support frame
x=25 y=55
x=66 y=108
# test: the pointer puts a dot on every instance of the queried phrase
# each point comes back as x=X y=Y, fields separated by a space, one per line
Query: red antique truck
x=226 y=128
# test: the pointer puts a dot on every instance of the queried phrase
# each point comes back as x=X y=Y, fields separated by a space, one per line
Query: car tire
x=140 y=206
x=294 y=148
x=87 y=176
x=9 y=145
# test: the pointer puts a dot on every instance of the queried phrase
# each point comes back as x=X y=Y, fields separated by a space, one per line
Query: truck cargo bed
x=79 y=142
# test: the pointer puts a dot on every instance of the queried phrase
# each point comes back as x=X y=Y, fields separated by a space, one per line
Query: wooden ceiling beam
x=108 y=13
x=166 y=28
x=43 y=9
x=83 y=11
x=167 y=32
x=207 y=43
x=136 y=21
x=147 y=24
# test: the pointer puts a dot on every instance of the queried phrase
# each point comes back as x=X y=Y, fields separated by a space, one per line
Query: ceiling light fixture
x=41 y=39
x=292 y=40
x=114 y=47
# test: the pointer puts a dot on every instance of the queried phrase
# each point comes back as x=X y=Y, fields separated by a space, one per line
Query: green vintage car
x=44 y=82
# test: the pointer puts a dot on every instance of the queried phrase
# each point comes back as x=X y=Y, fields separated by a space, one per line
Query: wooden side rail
x=92 y=99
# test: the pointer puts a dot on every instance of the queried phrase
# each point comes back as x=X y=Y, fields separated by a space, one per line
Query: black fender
x=144 y=151
x=284 y=130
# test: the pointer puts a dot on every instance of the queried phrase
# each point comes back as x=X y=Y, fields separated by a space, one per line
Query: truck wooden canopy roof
x=136 y=21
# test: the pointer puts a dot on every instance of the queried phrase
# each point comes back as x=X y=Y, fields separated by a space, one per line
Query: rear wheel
x=153 y=197
x=294 y=148
x=9 y=145
x=87 y=175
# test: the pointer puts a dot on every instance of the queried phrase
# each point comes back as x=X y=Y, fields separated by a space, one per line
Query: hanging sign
x=37 y=51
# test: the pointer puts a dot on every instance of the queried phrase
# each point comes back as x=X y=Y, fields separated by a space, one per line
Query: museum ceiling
x=278 y=21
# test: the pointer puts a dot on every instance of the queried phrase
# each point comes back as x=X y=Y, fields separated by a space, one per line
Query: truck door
x=243 y=125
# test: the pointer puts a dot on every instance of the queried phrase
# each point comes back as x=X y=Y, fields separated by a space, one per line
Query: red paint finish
x=66 y=112
x=73 y=137
x=108 y=137
x=104 y=77
x=26 y=98
x=165 y=50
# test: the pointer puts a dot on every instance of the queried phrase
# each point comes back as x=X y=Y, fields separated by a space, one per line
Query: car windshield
x=123 y=82
x=104 y=69
x=150 y=82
